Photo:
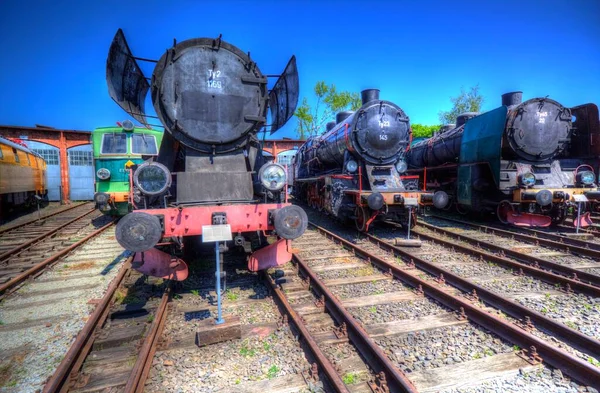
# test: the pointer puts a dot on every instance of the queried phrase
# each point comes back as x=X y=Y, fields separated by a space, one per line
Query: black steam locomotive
x=523 y=160
x=210 y=178
x=355 y=170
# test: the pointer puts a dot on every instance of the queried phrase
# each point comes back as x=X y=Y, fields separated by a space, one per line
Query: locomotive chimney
x=512 y=98
x=340 y=117
x=369 y=95
x=330 y=125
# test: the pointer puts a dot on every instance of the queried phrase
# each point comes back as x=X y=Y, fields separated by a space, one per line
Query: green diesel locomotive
x=117 y=151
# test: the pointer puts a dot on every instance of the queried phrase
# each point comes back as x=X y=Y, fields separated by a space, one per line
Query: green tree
x=311 y=121
x=423 y=131
x=466 y=101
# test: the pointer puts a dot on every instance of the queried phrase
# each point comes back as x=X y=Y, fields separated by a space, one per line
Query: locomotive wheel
x=460 y=210
x=503 y=210
x=361 y=218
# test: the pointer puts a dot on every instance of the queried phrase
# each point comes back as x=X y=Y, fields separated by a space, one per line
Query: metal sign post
x=409 y=218
x=217 y=234
x=579 y=199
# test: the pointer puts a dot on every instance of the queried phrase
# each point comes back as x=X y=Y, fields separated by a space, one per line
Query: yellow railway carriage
x=22 y=175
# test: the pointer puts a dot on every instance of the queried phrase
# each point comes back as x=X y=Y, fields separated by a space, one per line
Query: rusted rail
x=570 y=336
x=42 y=218
x=73 y=360
x=576 y=368
x=324 y=364
x=572 y=276
x=376 y=358
x=137 y=378
x=29 y=243
x=38 y=267
x=543 y=238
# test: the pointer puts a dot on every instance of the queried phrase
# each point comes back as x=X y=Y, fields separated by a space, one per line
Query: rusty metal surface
x=140 y=371
x=73 y=360
x=558 y=358
x=571 y=336
x=38 y=267
x=593 y=288
x=586 y=142
x=375 y=357
x=22 y=246
x=333 y=377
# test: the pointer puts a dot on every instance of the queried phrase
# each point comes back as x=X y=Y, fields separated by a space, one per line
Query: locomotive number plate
x=410 y=202
x=216 y=233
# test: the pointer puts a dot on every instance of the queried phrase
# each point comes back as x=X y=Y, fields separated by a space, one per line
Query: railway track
x=369 y=316
x=577 y=263
x=147 y=341
x=30 y=248
x=39 y=319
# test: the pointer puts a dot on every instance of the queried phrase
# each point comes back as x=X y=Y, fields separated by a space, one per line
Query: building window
x=80 y=158
x=144 y=144
x=50 y=155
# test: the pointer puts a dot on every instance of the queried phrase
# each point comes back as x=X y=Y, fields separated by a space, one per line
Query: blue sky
x=418 y=53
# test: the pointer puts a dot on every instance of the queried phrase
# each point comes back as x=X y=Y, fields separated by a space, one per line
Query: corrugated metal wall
x=81 y=173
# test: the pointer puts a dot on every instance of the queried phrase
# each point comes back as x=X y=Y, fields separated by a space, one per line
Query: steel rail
x=30 y=243
x=578 y=369
x=561 y=243
x=137 y=378
x=324 y=364
x=571 y=336
x=41 y=218
x=376 y=358
x=575 y=284
x=73 y=360
x=580 y=275
x=38 y=267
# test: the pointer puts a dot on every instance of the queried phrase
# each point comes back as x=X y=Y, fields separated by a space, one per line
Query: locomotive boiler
x=355 y=170
x=518 y=160
x=209 y=182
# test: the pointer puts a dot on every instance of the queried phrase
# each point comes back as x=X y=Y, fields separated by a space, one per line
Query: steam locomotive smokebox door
x=208 y=92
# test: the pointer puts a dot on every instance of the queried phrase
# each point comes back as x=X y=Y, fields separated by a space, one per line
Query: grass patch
x=373 y=309
x=195 y=292
x=273 y=371
x=593 y=361
x=232 y=296
x=350 y=378
x=150 y=318
x=516 y=348
x=246 y=351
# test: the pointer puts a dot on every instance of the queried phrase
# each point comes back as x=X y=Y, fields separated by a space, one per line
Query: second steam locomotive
x=530 y=162
x=356 y=170
x=209 y=181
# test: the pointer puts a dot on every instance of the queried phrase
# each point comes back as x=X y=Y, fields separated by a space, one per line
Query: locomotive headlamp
x=272 y=177
x=152 y=178
x=103 y=173
x=401 y=166
x=527 y=179
x=351 y=166
x=586 y=177
x=127 y=125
